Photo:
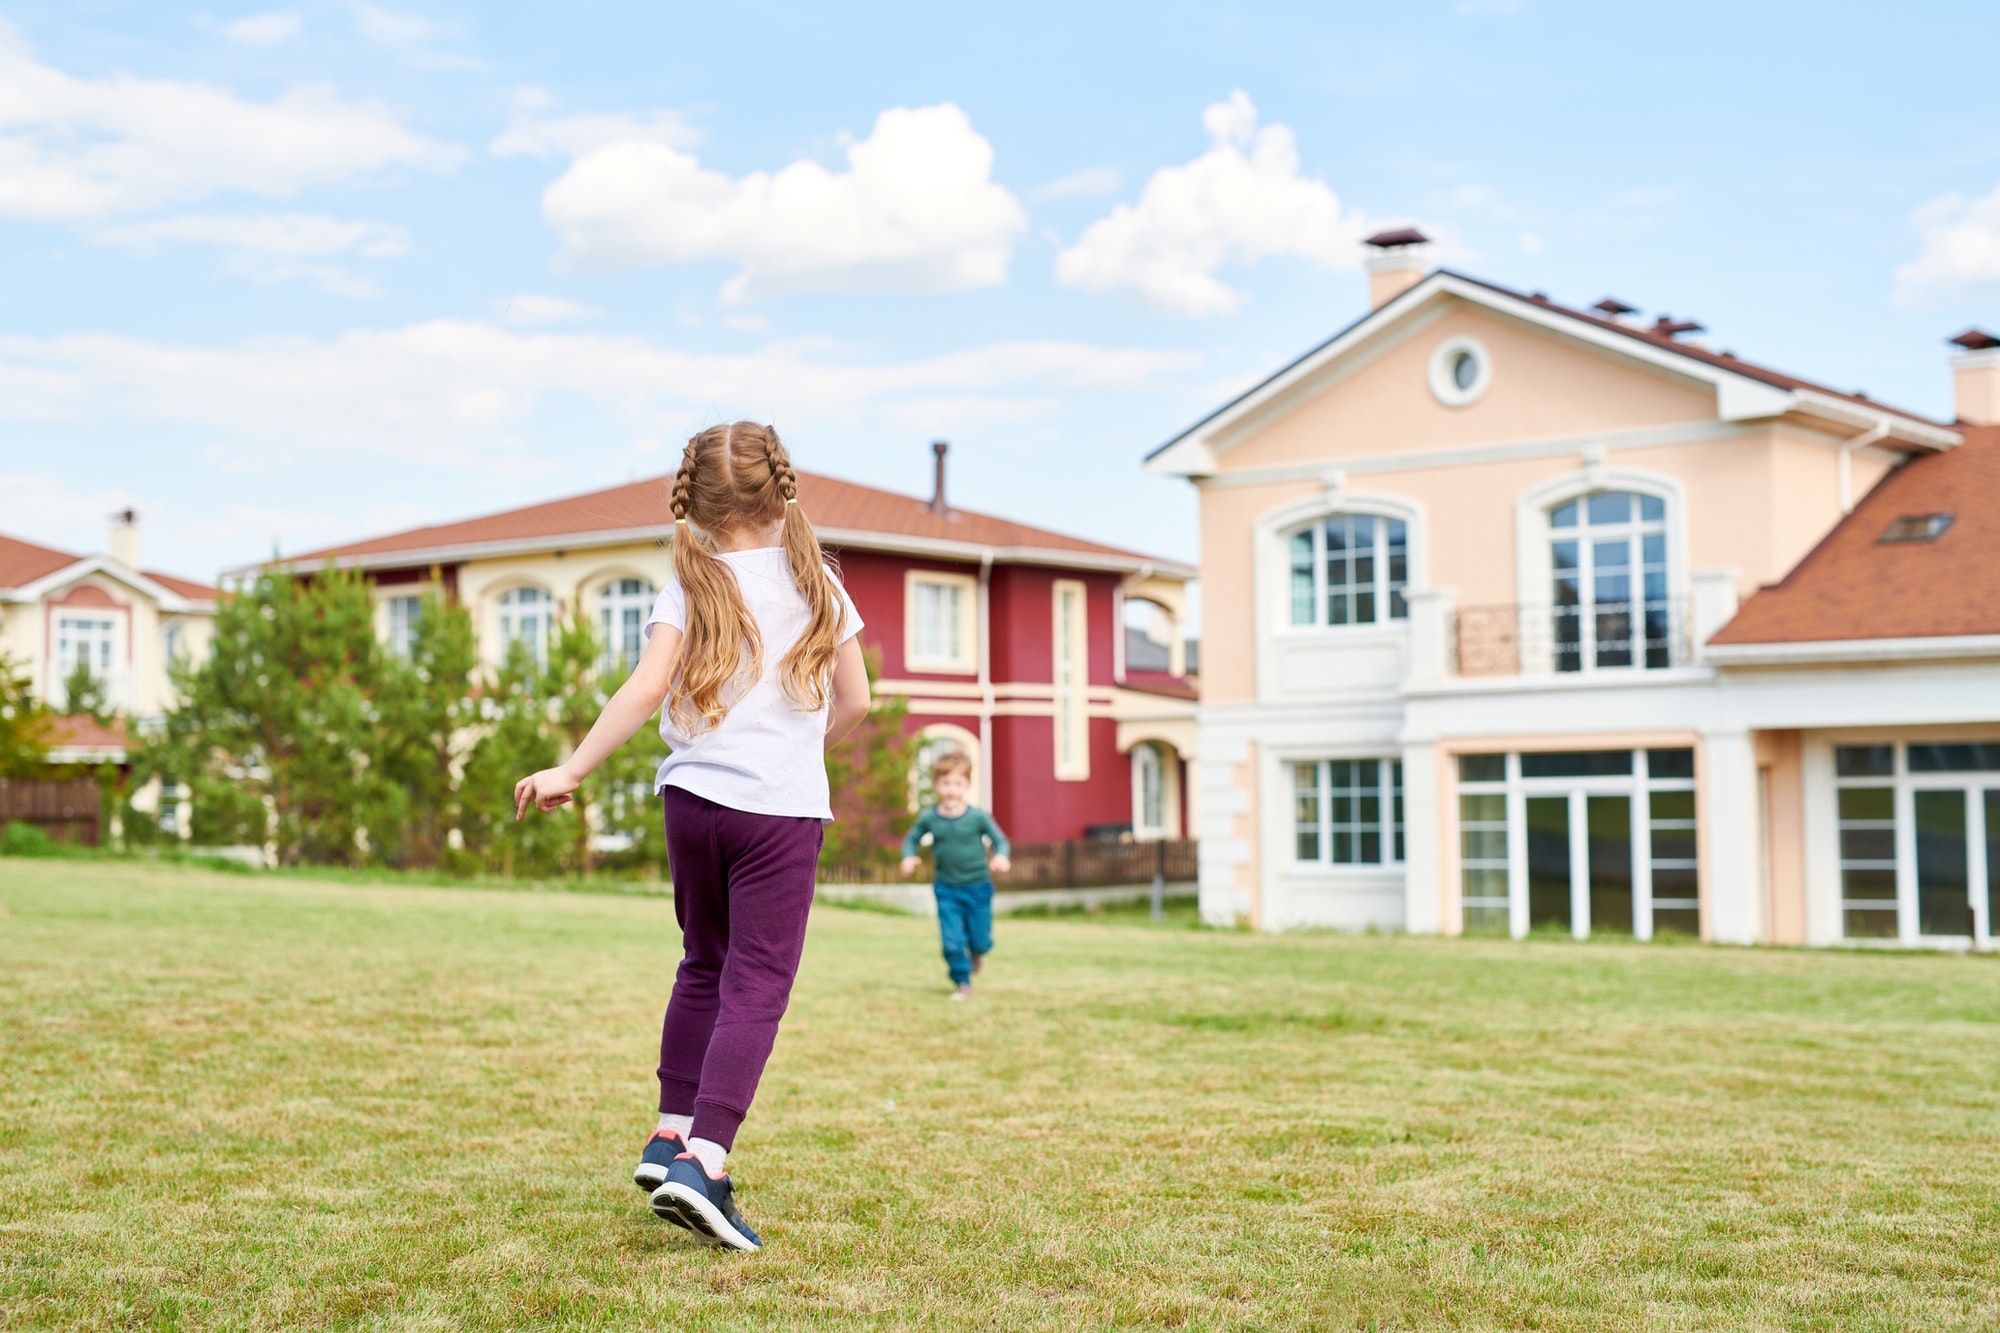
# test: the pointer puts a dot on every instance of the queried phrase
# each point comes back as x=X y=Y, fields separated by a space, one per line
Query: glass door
x=1549 y=865
x=1609 y=823
x=1944 y=882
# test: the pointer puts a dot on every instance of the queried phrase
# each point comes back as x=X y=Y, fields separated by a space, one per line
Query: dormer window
x=1350 y=569
x=1917 y=528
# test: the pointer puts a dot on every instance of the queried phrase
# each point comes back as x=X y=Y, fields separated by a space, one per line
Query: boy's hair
x=951 y=761
x=730 y=477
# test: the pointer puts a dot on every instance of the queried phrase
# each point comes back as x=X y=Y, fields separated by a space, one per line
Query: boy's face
x=952 y=788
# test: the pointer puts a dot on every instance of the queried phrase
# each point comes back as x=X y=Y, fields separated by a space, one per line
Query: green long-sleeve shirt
x=957 y=844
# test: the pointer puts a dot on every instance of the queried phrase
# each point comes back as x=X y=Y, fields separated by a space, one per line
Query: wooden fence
x=67 y=811
x=1060 y=865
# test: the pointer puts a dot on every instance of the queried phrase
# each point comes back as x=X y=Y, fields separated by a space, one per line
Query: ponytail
x=734 y=476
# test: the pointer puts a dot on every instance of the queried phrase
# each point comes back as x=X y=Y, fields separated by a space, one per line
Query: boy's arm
x=1000 y=846
x=916 y=834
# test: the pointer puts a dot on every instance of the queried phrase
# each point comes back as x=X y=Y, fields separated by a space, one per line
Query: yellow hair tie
x=792 y=500
x=680 y=522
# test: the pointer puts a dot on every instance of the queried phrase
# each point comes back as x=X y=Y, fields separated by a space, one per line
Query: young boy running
x=963 y=885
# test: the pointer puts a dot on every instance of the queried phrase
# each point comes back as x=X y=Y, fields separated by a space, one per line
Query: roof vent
x=937 y=505
x=1669 y=327
x=1397 y=262
x=1613 y=307
x=1916 y=528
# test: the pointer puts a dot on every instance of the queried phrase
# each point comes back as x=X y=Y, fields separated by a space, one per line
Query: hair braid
x=732 y=479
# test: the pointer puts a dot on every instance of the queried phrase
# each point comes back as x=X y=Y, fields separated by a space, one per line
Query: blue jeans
x=965 y=925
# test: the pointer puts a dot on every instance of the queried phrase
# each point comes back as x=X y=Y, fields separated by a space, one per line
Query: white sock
x=710 y=1153
x=679 y=1124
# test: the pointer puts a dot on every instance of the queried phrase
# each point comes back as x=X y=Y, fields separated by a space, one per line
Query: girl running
x=752 y=648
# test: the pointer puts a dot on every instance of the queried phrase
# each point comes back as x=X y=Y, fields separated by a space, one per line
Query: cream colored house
x=123 y=623
x=1467 y=569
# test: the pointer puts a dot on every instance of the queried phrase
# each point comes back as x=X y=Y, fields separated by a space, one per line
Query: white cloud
x=409 y=34
x=1241 y=201
x=1531 y=243
x=530 y=308
x=915 y=210
x=294 y=235
x=461 y=392
x=573 y=136
x=1088 y=183
x=1961 y=248
x=273 y=29
x=272 y=247
x=76 y=149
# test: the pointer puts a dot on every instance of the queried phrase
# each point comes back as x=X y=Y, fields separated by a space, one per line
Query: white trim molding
x=1442 y=373
x=1888 y=652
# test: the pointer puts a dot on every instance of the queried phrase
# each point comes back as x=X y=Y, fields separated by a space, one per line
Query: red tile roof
x=1654 y=334
x=833 y=505
x=21 y=563
x=1855 y=586
x=84 y=732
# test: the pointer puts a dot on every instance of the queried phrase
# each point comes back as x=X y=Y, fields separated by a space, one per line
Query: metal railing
x=1517 y=640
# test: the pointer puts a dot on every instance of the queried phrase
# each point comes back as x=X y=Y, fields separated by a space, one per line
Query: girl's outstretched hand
x=548 y=789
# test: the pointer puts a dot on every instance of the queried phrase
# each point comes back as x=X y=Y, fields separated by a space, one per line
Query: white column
x=1422 y=842
x=1431 y=613
x=1729 y=809
x=1715 y=601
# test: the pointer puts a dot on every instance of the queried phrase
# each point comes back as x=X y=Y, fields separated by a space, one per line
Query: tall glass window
x=1482 y=842
x=1072 y=682
x=84 y=641
x=403 y=613
x=526 y=616
x=1348 y=811
x=1351 y=569
x=1865 y=796
x=622 y=608
x=1608 y=556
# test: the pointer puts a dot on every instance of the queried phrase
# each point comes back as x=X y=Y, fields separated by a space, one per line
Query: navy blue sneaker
x=661 y=1149
x=704 y=1204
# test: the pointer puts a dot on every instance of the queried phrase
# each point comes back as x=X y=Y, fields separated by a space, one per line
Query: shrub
x=20 y=838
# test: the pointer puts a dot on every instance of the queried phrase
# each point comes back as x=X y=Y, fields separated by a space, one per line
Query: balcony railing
x=1551 y=640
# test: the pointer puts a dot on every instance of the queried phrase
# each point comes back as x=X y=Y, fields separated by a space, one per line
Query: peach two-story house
x=1478 y=656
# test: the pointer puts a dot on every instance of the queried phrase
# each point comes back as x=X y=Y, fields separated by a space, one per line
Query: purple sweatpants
x=743 y=884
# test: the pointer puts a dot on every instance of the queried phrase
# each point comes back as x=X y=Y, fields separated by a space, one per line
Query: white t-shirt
x=766 y=756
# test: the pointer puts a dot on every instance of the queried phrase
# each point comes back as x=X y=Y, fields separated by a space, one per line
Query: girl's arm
x=850 y=692
x=631 y=708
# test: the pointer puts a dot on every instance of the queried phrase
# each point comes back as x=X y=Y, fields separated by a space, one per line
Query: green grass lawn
x=230 y=1102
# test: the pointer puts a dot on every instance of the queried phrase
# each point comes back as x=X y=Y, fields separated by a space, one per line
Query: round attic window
x=1459 y=371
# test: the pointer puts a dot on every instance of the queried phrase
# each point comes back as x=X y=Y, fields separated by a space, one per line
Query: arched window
x=1608 y=560
x=622 y=606
x=1149 y=792
x=1350 y=569
x=526 y=615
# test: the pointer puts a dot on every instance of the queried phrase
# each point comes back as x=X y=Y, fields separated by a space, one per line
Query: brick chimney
x=1397 y=261
x=1975 y=377
x=125 y=538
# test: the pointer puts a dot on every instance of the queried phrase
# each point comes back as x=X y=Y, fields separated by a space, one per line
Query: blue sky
x=288 y=275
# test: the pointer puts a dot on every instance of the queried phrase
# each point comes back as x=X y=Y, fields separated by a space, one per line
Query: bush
x=20 y=838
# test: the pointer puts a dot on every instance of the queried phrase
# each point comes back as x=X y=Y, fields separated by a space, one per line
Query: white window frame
x=95 y=633
x=1630 y=533
x=1390 y=825
x=1070 y=650
x=509 y=611
x=1149 y=782
x=1534 y=561
x=1904 y=784
x=400 y=612
x=1637 y=785
x=1384 y=591
x=965 y=595
x=1443 y=383
x=615 y=605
